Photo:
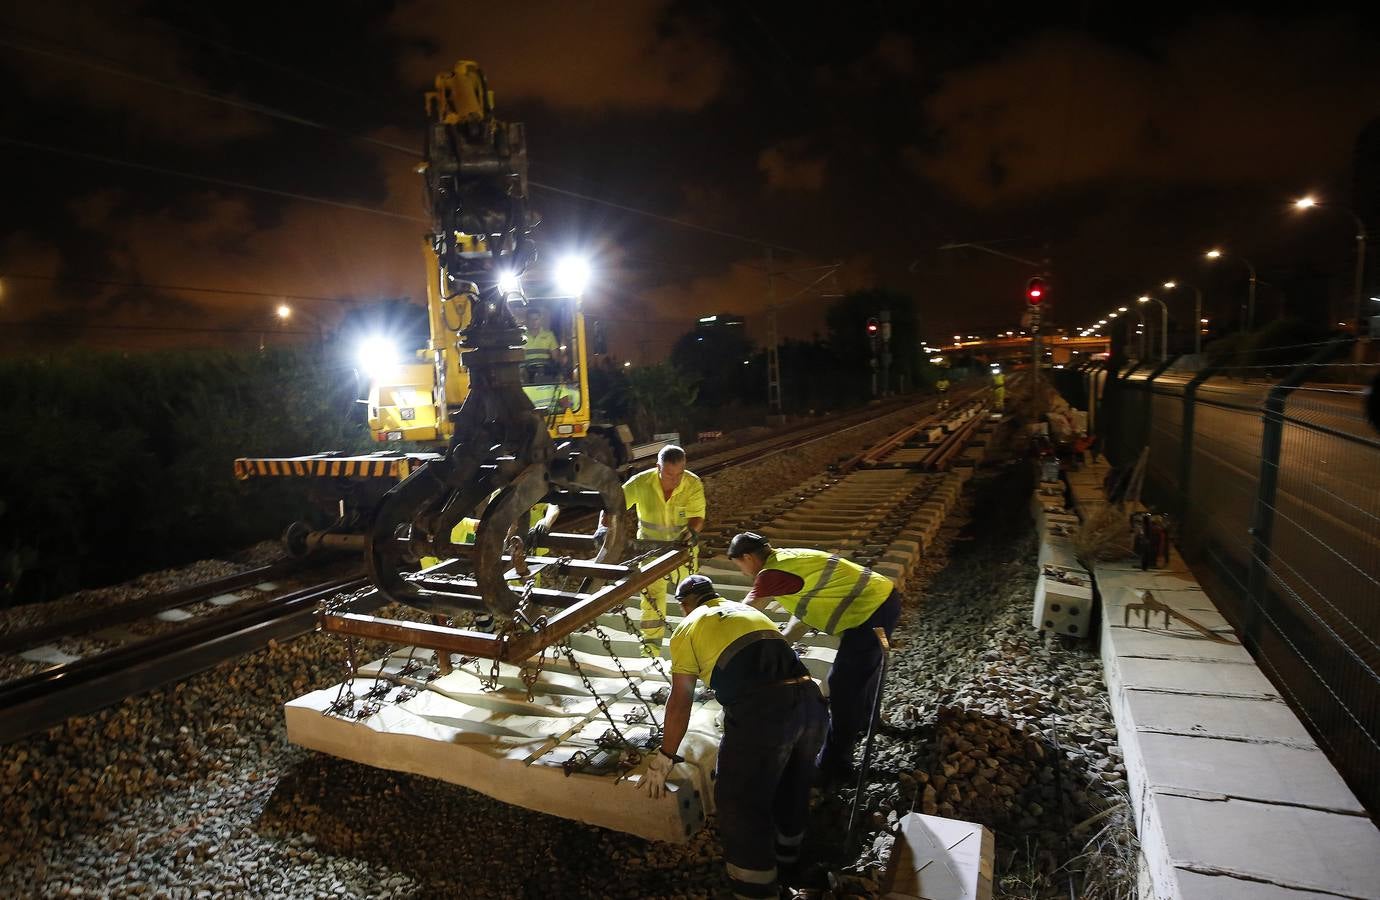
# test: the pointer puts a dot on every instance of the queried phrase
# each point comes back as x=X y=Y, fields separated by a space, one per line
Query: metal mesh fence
x=1272 y=474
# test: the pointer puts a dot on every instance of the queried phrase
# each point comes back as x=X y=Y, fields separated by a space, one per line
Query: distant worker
x=670 y=507
x=828 y=593
x=774 y=724
x=542 y=355
x=998 y=390
x=942 y=385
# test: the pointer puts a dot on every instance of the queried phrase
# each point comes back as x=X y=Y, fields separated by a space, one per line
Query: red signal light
x=873 y=326
x=1035 y=291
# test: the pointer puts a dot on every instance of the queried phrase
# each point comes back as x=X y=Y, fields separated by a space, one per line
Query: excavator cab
x=406 y=403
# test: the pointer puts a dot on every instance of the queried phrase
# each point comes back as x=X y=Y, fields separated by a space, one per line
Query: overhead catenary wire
x=84 y=324
x=286 y=116
x=206 y=179
x=106 y=282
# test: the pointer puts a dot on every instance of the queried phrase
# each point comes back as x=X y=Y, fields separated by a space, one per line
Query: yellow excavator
x=499 y=397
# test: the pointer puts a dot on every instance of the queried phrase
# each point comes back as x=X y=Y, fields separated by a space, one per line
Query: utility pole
x=885 y=316
x=773 y=356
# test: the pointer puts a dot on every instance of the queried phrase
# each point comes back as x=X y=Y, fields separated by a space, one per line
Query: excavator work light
x=572 y=275
x=376 y=355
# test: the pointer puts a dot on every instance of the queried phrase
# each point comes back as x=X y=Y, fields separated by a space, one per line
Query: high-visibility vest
x=838 y=594
x=998 y=379
x=541 y=346
x=710 y=636
x=660 y=519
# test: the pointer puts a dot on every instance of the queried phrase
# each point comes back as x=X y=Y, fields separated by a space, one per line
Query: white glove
x=654 y=779
x=793 y=630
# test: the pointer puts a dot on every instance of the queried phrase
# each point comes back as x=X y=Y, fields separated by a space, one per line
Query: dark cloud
x=1226 y=100
x=788 y=166
x=875 y=137
x=616 y=54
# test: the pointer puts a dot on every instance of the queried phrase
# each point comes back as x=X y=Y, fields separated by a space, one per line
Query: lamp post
x=1217 y=253
x=1164 y=324
x=1306 y=203
x=1197 y=312
x=281 y=313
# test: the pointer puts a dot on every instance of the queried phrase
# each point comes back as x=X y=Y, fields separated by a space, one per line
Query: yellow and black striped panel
x=395 y=467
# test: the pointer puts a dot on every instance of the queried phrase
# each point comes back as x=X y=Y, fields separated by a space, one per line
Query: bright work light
x=376 y=355
x=572 y=275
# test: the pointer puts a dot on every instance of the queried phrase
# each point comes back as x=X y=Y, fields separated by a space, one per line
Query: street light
x=1216 y=253
x=1164 y=324
x=1197 y=312
x=284 y=312
x=1304 y=203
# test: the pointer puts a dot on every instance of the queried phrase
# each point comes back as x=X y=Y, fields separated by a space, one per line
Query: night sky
x=1118 y=141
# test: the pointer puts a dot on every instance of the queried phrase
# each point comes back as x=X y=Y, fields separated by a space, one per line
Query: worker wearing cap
x=670 y=507
x=774 y=724
x=828 y=593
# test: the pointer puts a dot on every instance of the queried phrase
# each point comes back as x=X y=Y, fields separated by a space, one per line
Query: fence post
x=1186 y=437
x=1115 y=385
x=1263 y=520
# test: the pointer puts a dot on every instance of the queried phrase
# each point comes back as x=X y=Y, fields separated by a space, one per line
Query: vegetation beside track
x=118 y=464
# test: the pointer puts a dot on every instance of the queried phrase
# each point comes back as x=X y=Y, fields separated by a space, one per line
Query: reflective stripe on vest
x=655 y=531
x=858 y=587
x=848 y=593
x=824 y=578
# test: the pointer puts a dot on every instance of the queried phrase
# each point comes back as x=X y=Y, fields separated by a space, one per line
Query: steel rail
x=148 y=605
x=48 y=698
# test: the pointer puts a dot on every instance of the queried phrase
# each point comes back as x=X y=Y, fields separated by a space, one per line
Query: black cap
x=696 y=587
x=747 y=542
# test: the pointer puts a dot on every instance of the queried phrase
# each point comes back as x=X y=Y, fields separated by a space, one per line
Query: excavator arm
x=501 y=459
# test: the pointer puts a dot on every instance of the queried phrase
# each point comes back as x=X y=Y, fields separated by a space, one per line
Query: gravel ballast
x=193 y=791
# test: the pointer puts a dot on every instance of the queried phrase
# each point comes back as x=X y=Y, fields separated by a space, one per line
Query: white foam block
x=940 y=859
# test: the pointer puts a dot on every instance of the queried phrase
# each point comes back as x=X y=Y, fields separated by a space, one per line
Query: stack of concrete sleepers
x=1233 y=798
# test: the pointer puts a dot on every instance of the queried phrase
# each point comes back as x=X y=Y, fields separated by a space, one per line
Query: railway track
x=562 y=737
x=47 y=698
x=198 y=627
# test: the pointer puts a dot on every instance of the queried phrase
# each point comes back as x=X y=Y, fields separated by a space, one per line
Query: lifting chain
x=530 y=674
x=613 y=739
x=637 y=633
x=607 y=641
x=344 y=703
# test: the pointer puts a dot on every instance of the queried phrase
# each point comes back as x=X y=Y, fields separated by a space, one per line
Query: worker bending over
x=670 y=507
x=774 y=724
x=828 y=593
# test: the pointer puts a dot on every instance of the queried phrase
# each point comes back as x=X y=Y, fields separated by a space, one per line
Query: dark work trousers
x=766 y=766
x=853 y=684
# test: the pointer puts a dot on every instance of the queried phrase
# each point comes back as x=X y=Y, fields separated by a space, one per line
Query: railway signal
x=1036 y=290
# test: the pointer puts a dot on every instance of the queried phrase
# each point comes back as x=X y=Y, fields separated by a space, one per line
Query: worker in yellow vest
x=828 y=593
x=669 y=502
x=998 y=390
x=774 y=724
x=942 y=385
